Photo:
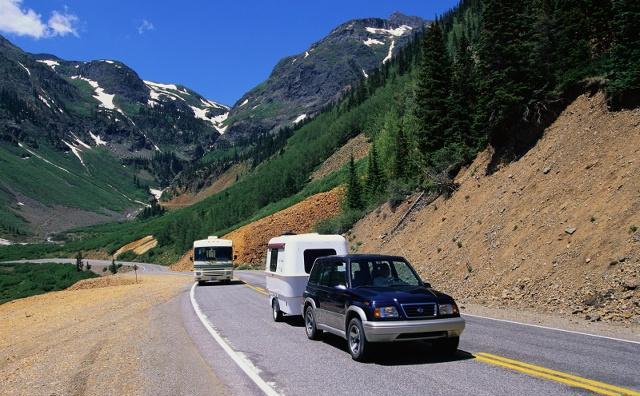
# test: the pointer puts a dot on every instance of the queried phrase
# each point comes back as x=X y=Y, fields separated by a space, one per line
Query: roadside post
x=135 y=269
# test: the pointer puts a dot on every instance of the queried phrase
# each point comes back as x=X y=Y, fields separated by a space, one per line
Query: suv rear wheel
x=277 y=313
x=310 y=324
x=356 y=340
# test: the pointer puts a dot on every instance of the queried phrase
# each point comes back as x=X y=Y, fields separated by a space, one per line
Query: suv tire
x=356 y=340
x=447 y=346
x=275 y=310
x=201 y=283
x=310 y=324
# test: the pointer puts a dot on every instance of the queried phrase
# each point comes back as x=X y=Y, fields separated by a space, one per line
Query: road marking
x=242 y=362
x=553 y=375
x=256 y=288
x=552 y=328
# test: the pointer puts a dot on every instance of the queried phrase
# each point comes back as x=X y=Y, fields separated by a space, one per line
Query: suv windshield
x=220 y=253
x=382 y=273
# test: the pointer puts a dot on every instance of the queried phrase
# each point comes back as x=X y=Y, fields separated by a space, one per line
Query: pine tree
x=401 y=154
x=354 y=199
x=462 y=97
x=79 y=264
x=624 y=85
x=432 y=91
x=375 y=177
x=504 y=72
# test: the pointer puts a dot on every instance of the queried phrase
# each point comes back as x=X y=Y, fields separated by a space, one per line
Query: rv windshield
x=213 y=253
x=383 y=273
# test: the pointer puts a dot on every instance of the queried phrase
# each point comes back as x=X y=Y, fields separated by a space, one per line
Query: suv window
x=310 y=255
x=333 y=274
x=316 y=270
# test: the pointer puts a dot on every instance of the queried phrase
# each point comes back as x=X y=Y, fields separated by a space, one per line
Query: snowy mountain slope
x=300 y=85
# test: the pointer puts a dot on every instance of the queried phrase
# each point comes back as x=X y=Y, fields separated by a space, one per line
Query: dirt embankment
x=87 y=340
x=223 y=182
x=358 y=147
x=250 y=241
x=555 y=231
x=141 y=246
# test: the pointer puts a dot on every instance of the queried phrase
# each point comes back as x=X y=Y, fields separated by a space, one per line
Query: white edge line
x=552 y=328
x=240 y=361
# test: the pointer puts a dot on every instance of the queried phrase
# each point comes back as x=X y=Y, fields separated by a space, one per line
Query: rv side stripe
x=242 y=362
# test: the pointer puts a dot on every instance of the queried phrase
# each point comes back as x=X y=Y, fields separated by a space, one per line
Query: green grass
x=24 y=280
x=102 y=185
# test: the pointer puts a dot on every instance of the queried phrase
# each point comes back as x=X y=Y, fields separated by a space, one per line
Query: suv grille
x=422 y=310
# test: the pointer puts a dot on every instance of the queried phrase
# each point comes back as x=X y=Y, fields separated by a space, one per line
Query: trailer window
x=310 y=255
x=273 y=262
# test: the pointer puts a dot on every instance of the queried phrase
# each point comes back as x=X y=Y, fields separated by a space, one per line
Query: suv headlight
x=448 y=309
x=385 y=312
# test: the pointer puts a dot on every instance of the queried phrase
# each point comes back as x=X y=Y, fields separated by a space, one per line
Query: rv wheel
x=275 y=308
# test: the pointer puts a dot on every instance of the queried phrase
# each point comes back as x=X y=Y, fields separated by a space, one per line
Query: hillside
x=82 y=142
x=301 y=85
x=556 y=230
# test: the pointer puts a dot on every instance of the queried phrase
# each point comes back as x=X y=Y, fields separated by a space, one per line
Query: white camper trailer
x=289 y=262
x=212 y=260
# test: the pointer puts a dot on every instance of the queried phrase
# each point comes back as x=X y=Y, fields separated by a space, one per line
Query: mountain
x=82 y=142
x=302 y=84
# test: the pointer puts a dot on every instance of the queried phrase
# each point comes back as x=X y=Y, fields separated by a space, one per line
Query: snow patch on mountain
x=42 y=158
x=364 y=73
x=44 y=100
x=156 y=192
x=5 y=242
x=244 y=103
x=76 y=151
x=97 y=139
x=390 y=53
x=105 y=99
x=25 y=68
x=299 y=118
x=397 y=32
x=369 y=42
x=51 y=63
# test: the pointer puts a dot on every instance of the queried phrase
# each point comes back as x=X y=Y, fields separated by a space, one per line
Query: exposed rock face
x=300 y=85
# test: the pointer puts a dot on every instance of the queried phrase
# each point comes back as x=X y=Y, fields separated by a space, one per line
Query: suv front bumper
x=406 y=330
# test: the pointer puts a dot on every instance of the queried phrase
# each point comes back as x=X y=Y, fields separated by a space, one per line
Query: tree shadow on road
x=400 y=353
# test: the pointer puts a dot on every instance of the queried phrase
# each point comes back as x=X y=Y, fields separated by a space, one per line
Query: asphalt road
x=289 y=363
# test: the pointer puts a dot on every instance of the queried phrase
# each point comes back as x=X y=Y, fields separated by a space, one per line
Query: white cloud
x=63 y=24
x=145 y=26
x=27 y=22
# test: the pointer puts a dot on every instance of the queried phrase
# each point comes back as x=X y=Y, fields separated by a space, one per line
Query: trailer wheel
x=275 y=308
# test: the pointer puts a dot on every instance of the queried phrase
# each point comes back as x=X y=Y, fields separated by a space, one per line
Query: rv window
x=310 y=255
x=273 y=263
x=213 y=253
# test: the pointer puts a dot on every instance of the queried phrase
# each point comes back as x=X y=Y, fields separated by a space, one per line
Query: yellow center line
x=256 y=288
x=553 y=375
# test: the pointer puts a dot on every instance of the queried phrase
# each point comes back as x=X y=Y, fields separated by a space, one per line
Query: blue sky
x=219 y=48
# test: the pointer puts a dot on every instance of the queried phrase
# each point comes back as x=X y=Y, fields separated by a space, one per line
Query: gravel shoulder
x=99 y=341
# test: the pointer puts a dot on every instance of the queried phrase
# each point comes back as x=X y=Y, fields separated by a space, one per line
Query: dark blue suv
x=376 y=298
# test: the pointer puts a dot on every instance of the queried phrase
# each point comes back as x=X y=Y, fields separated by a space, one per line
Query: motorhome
x=212 y=260
x=289 y=262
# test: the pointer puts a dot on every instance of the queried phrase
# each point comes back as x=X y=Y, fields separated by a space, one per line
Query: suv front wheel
x=310 y=324
x=356 y=340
